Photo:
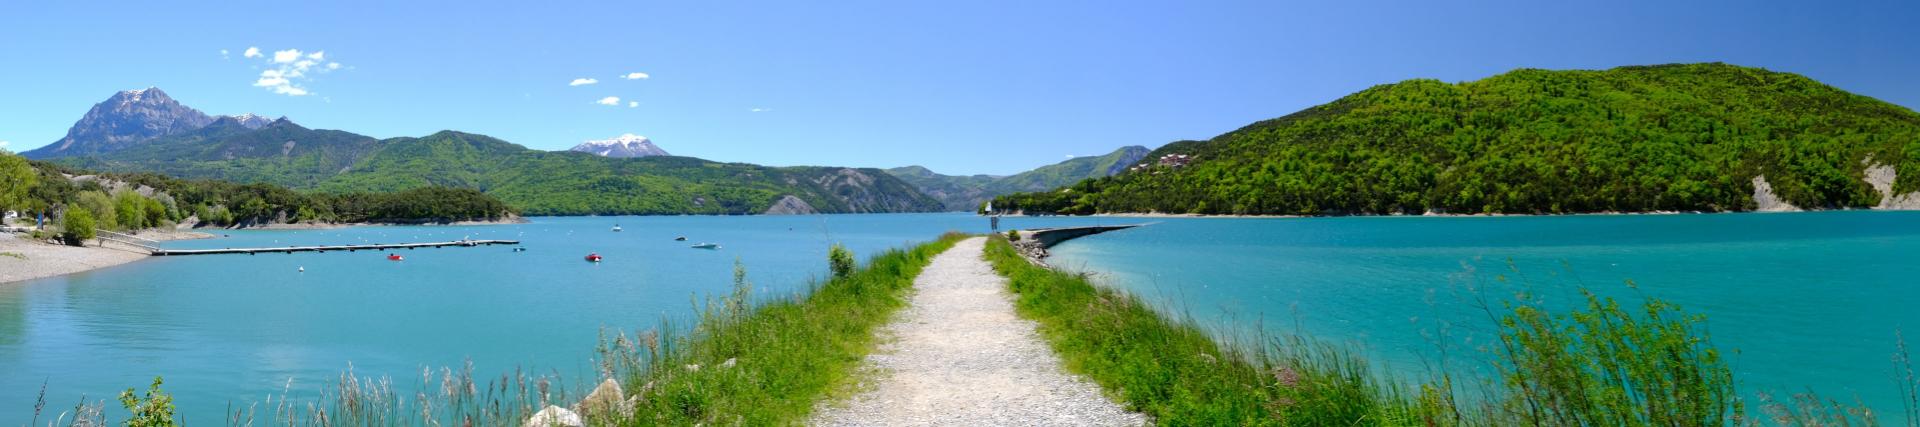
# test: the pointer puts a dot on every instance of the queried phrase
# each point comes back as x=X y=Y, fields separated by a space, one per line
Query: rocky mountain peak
x=627 y=145
x=125 y=119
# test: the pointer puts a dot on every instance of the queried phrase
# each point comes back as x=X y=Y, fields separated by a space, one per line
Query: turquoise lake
x=1807 y=299
x=1803 y=300
x=234 y=328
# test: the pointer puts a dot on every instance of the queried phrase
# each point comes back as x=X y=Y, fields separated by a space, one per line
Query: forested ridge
x=535 y=182
x=1680 y=137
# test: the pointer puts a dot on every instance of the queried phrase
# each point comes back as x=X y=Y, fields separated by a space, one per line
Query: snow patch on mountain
x=628 y=145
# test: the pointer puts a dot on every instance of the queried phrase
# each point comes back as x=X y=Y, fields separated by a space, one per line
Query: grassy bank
x=1180 y=374
x=1596 y=364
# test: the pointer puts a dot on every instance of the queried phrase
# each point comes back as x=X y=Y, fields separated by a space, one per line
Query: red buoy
x=394 y=257
x=593 y=257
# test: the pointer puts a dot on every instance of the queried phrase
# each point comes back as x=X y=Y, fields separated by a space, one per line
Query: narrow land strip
x=959 y=355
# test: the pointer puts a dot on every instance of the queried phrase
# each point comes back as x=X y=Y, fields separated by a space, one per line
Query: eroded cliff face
x=1765 y=201
x=790 y=205
x=1882 y=177
x=872 y=191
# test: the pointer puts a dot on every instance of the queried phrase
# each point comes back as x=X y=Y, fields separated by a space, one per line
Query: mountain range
x=968 y=192
x=1706 y=137
x=147 y=131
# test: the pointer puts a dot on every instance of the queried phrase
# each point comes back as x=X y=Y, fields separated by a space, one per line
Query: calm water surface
x=1807 y=299
x=233 y=328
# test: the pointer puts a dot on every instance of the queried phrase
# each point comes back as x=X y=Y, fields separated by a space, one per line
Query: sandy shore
x=22 y=259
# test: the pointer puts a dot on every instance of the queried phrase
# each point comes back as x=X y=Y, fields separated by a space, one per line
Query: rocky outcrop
x=1765 y=201
x=1882 y=177
x=790 y=205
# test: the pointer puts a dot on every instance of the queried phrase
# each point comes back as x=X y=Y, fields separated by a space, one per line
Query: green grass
x=765 y=362
x=1180 y=374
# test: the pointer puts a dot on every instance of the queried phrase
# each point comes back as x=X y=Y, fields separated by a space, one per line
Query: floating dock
x=347 y=248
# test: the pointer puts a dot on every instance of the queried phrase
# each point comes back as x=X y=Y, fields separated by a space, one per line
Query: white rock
x=555 y=416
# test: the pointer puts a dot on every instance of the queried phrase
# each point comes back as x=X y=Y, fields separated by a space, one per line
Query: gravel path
x=960 y=356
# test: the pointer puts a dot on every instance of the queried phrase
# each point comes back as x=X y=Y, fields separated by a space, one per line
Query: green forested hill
x=535 y=182
x=1686 y=137
x=967 y=192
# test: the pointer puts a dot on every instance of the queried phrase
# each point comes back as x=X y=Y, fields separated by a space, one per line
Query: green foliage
x=1685 y=137
x=101 y=207
x=77 y=227
x=130 y=211
x=1605 y=366
x=155 y=410
x=1013 y=235
x=840 y=261
x=765 y=362
x=17 y=178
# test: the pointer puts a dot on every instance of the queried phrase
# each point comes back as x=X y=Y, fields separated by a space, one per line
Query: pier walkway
x=348 y=248
x=960 y=356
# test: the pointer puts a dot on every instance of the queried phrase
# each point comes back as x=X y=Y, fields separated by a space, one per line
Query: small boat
x=616 y=228
x=707 y=246
x=593 y=257
x=395 y=257
x=680 y=239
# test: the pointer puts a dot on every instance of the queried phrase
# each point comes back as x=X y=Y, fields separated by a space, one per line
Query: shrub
x=840 y=260
x=1013 y=235
x=77 y=227
x=156 y=410
x=1602 y=365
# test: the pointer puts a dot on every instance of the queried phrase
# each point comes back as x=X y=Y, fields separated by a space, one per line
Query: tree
x=77 y=227
x=16 y=179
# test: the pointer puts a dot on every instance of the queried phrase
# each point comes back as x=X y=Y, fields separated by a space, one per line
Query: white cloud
x=1071 y=156
x=635 y=76
x=286 y=56
x=223 y=54
x=288 y=71
x=611 y=100
x=633 y=104
x=582 y=82
x=4 y=144
x=760 y=110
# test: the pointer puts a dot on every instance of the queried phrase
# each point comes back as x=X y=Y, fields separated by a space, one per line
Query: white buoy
x=303 y=269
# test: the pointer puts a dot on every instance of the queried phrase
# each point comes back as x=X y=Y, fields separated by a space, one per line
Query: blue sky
x=961 y=87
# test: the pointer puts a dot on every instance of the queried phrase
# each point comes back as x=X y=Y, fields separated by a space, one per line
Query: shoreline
x=26 y=259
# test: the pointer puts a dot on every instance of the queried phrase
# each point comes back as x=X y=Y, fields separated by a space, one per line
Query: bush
x=1013 y=235
x=840 y=260
x=77 y=227
x=154 y=411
